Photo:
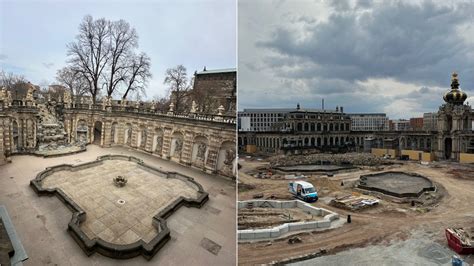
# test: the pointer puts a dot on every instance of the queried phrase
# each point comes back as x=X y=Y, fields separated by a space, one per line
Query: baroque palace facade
x=306 y=131
x=31 y=125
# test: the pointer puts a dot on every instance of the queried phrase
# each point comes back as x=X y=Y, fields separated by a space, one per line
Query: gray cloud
x=3 y=57
x=416 y=44
x=397 y=39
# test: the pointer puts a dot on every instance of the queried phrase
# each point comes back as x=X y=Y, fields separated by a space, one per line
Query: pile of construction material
x=362 y=159
x=353 y=202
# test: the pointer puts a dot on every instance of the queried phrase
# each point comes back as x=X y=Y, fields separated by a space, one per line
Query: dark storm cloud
x=412 y=43
x=369 y=56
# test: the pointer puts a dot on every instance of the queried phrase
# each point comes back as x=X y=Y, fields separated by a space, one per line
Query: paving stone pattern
x=145 y=194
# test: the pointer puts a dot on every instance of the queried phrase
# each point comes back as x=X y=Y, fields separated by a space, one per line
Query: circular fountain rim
x=432 y=186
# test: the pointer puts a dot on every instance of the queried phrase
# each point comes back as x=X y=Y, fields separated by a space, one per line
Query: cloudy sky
x=34 y=34
x=368 y=56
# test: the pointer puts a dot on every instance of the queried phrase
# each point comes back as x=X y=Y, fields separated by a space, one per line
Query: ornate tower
x=454 y=120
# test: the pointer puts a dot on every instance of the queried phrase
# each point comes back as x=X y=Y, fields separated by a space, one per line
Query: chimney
x=342 y=109
x=337 y=108
x=323 y=104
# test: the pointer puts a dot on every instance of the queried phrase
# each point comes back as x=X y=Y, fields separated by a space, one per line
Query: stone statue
x=29 y=94
x=159 y=144
x=129 y=136
x=143 y=140
x=153 y=107
x=193 y=107
x=67 y=99
x=171 y=111
x=220 y=110
x=178 y=148
x=3 y=94
x=229 y=156
x=104 y=102
x=201 y=152
x=9 y=98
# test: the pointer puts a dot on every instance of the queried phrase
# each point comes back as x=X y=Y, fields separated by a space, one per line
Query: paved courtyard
x=119 y=215
x=206 y=235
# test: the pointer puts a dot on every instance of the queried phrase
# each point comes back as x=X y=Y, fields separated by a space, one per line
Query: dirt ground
x=390 y=222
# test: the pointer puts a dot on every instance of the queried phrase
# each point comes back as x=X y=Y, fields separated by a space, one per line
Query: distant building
x=430 y=121
x=400 y=125
x=416 y=123
x=369 y=122
x=213 y=88
x=263 y=119
x=302 y=131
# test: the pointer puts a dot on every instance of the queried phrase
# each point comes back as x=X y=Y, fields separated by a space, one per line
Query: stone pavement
x=129 y=220
x=41 y=222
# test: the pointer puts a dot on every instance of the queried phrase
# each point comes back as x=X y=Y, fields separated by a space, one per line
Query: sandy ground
x=382 y=225
x=41 y=222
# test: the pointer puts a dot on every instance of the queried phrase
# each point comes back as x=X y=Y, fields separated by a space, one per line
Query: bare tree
x=123 y=39
x=162 y=104
x=179 y=87
x=73 y=80
x=137 y=74
x=206 y=98
x=89 y=54
x=9 y=80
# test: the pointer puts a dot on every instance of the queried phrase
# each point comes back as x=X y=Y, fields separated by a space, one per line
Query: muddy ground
x=393 y=222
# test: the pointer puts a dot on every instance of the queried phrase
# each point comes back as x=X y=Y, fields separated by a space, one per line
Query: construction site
x=388 y=210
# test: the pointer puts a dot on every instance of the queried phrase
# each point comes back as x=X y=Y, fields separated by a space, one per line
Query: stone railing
x=130 y=107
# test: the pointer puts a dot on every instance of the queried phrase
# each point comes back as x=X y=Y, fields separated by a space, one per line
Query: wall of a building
x=159 y=135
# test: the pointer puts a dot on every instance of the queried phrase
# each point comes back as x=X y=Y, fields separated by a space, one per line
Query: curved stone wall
x=206 y=142
x=417 y=190
x=281 y=230
x=147 y=250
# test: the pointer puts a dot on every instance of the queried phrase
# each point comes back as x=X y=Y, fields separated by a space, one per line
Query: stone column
x=167 y=143
x=90 y=134
x=440 y=148
x=135 y=132
x=211 y=162
x=2 y=145
x=456 y=147
x=106 y=133
x=120 y=130
x=149 y=139
x=186 y=153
